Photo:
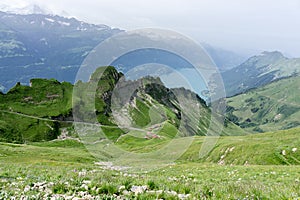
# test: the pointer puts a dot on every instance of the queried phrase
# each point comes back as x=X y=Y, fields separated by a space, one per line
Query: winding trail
x=84 y=123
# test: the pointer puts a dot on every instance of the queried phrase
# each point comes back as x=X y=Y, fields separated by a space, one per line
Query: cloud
x=15 y=3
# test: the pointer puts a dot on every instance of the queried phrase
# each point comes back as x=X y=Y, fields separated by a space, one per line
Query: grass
x=200 y=181
x=258 y=149
x=49 y=152
x=26 y=129
x=272 y=107
x=263 y=166
x=135 y=141
x=26 y=111
x=140 y=114
x=254 y=149
x=66 y=168
x=45 y=98
x=44 y=108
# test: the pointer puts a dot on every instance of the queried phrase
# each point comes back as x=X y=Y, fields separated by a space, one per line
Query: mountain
x=24 y=9
x=258 y=71
x=45 y=46
x=224 y=59
x=49 y=46
x=275 y=106
x=44 y=109
x=26 y=111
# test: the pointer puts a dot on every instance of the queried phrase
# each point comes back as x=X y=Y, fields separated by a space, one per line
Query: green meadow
x=260 y=166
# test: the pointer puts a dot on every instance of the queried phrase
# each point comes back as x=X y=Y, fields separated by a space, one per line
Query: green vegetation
x=140 y=114
x=273 y=107
x=258 y=71
x=28 y=113
x=44 y=98
x=273 y=148
x=45 y=108
x=65 y=168
x=188 y=180
x=26 y=129
x=54 y=159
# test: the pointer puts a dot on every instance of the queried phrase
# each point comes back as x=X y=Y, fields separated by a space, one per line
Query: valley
x=50 y=158
x=119 y=133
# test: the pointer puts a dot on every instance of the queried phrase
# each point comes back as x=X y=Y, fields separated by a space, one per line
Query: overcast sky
x=240 y=25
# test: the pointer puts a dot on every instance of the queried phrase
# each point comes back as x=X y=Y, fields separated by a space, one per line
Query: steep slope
x=48 y=46
x=272 y=107
x=137 y=106
x=258 y=71
x=45 y=46
x=27 y=113
x=43 y=98
x=122 y=107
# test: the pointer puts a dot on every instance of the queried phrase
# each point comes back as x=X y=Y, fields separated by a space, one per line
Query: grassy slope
x=63 y=161
x=152 y=104
x=257 y=149
x=43 y=100
x=273 y=107
x=21 y=129
x=258 y=71
x=254 y=149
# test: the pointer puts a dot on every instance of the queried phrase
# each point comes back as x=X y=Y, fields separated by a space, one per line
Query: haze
x=246 y=27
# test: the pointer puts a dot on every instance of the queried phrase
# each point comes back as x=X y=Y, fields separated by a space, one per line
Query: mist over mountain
x=258 y=71
x=27 y=9
x=50 y=46
x=45 y=46
x=88 y=111
x=224 y=59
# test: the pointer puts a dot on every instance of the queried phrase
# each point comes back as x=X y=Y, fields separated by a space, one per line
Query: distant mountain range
x=258 y=71
x=263 y=93
x=224 y=59
x=28 y=9
x=262 y=88
x=45 y=46
x=49 y=46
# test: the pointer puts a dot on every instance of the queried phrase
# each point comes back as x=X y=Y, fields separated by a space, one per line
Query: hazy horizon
x=247 y=27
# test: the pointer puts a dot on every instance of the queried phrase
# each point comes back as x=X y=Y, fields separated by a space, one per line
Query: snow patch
x=64 y=23
x=81 y=29
x=50 y=20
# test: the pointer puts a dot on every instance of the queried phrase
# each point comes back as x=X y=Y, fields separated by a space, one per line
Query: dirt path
x=84 y=123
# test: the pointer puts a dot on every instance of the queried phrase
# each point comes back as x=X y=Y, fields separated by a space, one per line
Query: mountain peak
x=265 y=58
x=274 y=54
x=27 y=9
x=34 y=9
x=259 y=70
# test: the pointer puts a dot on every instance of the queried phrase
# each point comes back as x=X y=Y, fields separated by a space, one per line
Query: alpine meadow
x=89 y=111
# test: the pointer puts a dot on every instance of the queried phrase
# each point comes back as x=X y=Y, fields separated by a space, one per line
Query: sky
x=243 y=26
